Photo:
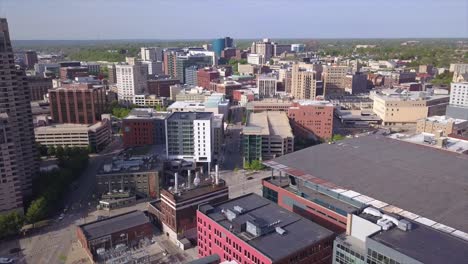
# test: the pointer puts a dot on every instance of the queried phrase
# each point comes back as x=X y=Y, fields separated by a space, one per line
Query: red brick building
x=312 y=117
x=237 y=95
x=226 y=87
x=77 y=103
x=161 y=87
x=127 y=229
x=205 y=76
x=138 y=132
x=69 y=73
x=252 y=229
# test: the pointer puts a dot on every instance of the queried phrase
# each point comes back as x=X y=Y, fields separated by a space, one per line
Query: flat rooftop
x=396 y=95
x=453 y=144
x=190 y=116
x=424 y=244
x=313 y=102
x=389 y=173
x=269 y=217
x=146 y=113
x=114 y=224
x=272 y=123
x=445 y=120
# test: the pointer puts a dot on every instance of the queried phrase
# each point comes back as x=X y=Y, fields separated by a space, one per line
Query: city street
x=53 y=243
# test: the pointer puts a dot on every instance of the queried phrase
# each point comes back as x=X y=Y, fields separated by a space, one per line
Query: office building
x=199 y=60
x=395 y=78
x=151 y=54
x=94 y=137
x=263 y=48
x=279 y=49
x=71 y=72
x=47 y=69
x=458 y=69
x=220 y=44
x=333 y=79
x=458 y=107
x=189 y=136
x=242 y=97
x=267 y=86
x=144 y=126
x=101 y=236
x=298 y=48
x=215 y=103
x=150 y=100
x=355 y=83
x=285 y=77
x=78 y=103
x=384 y=173
x=266 y=135
x=312 y=118
x=161 y=87
x=303 y=83
x=191 y=75
x=136 y=171
x=30 y=59
x=190 y=93
x=112 y=73
x=154 y=67
x=178 y=205
x=225 y=87
x=400 y=108
x=93 y=67
x=375 y=236
x=131 y=79
x=251 y=229
x=170 y=57
x=269 y=105
x=256 y=59
x=205 y=76
x=17 y=135
x=442 y=124
x=229 y=53
x=38 y=87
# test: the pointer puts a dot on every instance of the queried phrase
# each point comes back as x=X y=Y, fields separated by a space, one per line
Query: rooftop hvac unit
x=280 y=230
x=239 y=209
x=404 y=225
x=372 y=211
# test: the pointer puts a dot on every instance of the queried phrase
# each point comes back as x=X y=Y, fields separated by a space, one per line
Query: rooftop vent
x=404 y=225
x=280 y=231
x=372 y=211
x=239 y=209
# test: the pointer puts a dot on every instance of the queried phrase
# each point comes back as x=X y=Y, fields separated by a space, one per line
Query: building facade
x=38 y=87
x=267 y=86
x=131 y=79
x=312 y=117
x=18 y=131
x=205 y=76
x=303 y=83
x=333 y=79
x=144 y=126
x=161 y=87
x=458 y=107
x=77 y=103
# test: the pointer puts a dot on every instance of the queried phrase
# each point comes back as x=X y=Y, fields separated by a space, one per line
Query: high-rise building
x=170 y=58
x=112 y=72
x=303 y=83
x=77 y=103
x=30 y=58
x=191 y=75
x=279 y=49
x=264 y=48
x=154 y=67
x=131 y=79
x=151 y=54
x=220 y=44
x=71 y=72
x=355 y=83
x=333 y=79
x=267 y=86
x=458 y=106
x=17 y=149
x=94 y=68
x=297 y=48
x=144 y=126
x=161 y=87
x=189 y=135
x=185 y=61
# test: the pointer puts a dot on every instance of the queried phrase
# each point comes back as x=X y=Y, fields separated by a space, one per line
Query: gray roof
x=430 y=182
x=190 y=116
x=300 y=232
x=425 y=244
x=114 y=224
x=206 y=260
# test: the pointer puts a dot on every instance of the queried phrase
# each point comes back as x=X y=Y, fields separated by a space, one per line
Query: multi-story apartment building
x=303 y=83
x=312 y=117
x=17 y=149
x=205 y=76
x=267 y=86
x=151 y=54
x=263 y=48
x=191 y=75
x=154 y=67
x=407 y=107
x=355 y=83
x=71 y=72
x=189 y=135
x=252 y=229
x=285 y=77
x=94 y=68
x=112 y=73
x=458 y=107
x=95 y=136
x=131 y=79
x=256 y=59
x=185 y=61
x=144 y=126
x=78 y=103
x=333 y=77
x=38 y=87
x=30 y=59
x=267 y=135
x=170 y=63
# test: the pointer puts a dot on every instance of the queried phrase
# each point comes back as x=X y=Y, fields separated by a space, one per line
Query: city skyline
x=210 y=19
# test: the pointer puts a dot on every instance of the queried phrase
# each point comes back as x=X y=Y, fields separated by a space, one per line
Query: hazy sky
x=186 y=19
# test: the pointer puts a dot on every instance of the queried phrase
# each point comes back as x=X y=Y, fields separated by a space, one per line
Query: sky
x=205 y=19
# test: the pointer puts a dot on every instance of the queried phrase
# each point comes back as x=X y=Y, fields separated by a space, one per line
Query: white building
x=131 y=79
x=297 y=48
x=459 y=94
x=256 y=59
x=267 y=85
x=215 y=103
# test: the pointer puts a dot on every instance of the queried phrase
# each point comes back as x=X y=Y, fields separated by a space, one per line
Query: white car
x=6 y=260
x=61 y=217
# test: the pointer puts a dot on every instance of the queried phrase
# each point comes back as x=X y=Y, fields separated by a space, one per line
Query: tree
x=337 y=137
x=37 y=210
x=51 y=151
x=246 y=165
x=42 y=149
x=256 y=165
x=10 y=224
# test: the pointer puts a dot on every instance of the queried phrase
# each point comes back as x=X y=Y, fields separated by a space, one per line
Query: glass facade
x=252 y=147
x=270 y=194
x=374 y=257
x=345 y=255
